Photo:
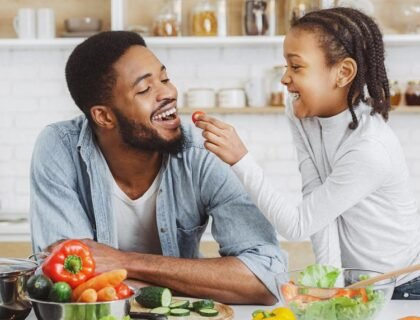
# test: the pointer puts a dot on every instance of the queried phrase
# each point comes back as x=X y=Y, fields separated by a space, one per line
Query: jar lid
x=412 y=82
x=10 y=266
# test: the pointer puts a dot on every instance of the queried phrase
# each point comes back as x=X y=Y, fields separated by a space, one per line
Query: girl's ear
x=103 y=117
x=347 y=70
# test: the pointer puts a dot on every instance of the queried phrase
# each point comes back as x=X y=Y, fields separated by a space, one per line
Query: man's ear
x=346 y=72
x=103 y=117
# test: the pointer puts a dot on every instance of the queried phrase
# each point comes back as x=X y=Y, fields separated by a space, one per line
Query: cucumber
x=183 y=304
x=180 y=312
x=153 y=297
x=207 y=312
x=60 y=292
x=161 y=310
x=203 y=304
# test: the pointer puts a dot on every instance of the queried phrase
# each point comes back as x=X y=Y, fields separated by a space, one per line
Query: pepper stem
x=73 y=264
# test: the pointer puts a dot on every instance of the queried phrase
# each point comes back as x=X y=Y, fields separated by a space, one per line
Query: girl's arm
x=356 y=174
x=325 y=243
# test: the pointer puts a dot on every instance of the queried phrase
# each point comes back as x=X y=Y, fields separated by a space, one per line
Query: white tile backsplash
x=33 y=93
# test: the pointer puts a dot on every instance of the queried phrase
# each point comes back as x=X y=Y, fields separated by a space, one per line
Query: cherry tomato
x=196 y=114
x=123 y=291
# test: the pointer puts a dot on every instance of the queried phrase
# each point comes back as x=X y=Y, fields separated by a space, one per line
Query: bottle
x=296 y=9
x=277 y=89
x=395 y=94
x=412 y=93
x=255 y=17
x=221 y=18
x=204 y=19
x=166 y=22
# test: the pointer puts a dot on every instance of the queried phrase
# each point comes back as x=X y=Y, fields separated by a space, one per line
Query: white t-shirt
x=357 y=204
x=136 y=219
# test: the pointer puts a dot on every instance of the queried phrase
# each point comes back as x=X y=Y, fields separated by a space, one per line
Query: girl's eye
x=295 y=68
x=144 y=91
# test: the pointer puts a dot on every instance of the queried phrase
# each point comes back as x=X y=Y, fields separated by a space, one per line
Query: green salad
x=342 y=304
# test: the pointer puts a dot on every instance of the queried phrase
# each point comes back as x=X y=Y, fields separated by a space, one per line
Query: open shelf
x=194 y=42
x=272 y=110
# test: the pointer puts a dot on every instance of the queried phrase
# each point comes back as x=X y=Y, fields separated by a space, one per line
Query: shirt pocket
x=189 y=240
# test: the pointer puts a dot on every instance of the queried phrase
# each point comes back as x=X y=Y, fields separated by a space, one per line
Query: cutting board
x=225 y=312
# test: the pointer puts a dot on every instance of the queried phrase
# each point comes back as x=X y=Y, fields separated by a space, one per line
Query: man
x=127 y=176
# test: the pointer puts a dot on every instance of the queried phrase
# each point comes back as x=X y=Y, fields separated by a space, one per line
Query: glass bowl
x=312 y=303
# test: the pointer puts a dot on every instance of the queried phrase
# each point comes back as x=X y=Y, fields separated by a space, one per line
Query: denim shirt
x=70 y=197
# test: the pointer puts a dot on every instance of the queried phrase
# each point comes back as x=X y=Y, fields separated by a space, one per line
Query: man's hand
x=106 y=258
x=52 y=246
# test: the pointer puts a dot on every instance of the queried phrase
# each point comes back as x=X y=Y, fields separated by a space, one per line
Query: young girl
x=357 y=206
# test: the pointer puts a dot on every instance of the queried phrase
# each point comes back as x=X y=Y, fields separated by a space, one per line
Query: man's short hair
x=90 y=74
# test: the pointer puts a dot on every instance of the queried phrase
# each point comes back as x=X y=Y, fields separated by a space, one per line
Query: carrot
x=110 y=278
x=107 y=294
x=89 y=295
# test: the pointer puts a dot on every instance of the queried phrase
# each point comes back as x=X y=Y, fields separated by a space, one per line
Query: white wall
x=33 y=93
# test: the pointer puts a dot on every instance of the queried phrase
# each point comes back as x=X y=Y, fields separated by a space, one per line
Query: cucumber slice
x=207 y=312
x=182 y=304
x=153 y=297
x=203 y=304
x=180 y=312
x=161 y=310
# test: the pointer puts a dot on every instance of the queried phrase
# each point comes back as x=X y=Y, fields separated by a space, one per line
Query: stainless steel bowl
x=46 y=310
x=14 y=274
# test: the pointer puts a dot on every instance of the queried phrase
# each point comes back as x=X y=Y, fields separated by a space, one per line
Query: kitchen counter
x=393 y=311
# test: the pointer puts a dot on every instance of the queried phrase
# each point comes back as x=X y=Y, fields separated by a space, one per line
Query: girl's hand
x=221 y=139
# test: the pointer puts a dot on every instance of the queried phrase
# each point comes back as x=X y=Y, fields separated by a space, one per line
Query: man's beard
x=143 y=138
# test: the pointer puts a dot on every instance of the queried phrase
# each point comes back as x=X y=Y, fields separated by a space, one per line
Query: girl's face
x=311 y=83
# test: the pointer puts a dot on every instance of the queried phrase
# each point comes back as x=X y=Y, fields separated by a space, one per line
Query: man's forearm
x=224 y=279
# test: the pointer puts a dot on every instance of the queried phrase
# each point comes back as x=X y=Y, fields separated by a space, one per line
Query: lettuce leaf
x=319 y=276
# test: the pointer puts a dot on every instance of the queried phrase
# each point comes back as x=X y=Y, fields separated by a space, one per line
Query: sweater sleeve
x=355 y=175
x=325 y=243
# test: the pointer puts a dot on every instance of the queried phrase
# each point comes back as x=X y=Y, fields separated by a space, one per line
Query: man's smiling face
x=144 y=103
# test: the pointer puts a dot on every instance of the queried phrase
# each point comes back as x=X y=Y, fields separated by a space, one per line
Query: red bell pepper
x=71 y=261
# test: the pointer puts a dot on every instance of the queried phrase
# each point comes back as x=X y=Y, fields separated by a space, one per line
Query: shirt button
x=160 y=191
x=163 y=230
x=406 y=295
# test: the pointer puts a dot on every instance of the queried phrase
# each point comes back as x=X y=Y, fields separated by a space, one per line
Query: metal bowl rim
x=18 y=272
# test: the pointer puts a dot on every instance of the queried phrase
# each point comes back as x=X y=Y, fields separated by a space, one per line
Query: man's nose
x=166 y=91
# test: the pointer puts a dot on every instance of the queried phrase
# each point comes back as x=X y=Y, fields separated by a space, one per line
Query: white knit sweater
x=357 y=204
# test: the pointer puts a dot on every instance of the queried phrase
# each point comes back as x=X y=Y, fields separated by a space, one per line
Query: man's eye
x=166 y=80
x=144 y=91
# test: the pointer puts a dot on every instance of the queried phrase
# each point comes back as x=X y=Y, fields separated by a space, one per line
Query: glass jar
x=412 y=93
x=296 y=9
x=277 y=89
x=395 y=93
x=204 y=19
x=255 y=17
x=166 y=23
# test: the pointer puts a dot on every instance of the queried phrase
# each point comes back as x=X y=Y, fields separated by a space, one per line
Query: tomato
x=289 y=291
x=351 y=293
x=123 y=291
x=196 y=114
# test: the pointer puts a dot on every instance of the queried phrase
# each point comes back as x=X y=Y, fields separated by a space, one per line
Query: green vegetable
x=153 y=297
x=39 y=287
x=179 y=304
x=319 y=276
x=208 y=312
x=161 y=310
x=180 y=312
x=114 y=318
x=60 y=292
x=203 y=304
